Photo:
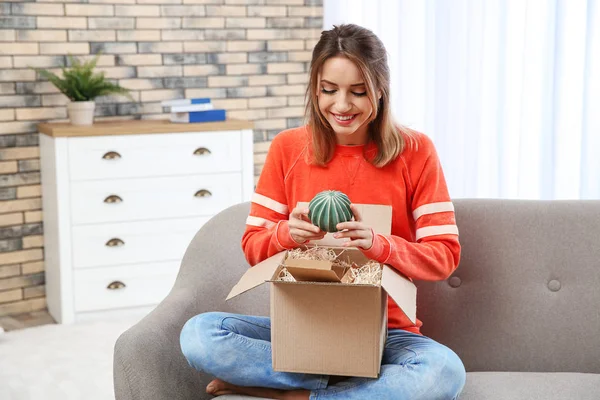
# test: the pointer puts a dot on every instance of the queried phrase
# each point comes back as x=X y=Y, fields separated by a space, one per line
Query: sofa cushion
x=531 y=386
x=519 y=385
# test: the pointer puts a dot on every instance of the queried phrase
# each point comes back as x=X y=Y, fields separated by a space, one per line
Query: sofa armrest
x=148 y=363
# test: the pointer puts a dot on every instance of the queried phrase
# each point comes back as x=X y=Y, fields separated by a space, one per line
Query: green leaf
x=80 y=83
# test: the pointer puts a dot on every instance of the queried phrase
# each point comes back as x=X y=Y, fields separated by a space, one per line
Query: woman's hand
x=301 y=229
x=360 y=234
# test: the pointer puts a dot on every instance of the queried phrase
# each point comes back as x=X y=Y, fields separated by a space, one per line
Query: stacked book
x=193 y=110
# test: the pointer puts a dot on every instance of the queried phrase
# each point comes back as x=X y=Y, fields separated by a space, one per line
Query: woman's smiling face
x=343 y=100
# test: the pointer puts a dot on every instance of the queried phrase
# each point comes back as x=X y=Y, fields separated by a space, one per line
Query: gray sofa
x=522 y=310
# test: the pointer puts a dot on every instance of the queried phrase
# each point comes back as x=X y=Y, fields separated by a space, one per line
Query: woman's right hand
x=301 y=229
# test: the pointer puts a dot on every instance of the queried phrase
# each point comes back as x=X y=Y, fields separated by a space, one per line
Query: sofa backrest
x=525 y=296
x=214 y=262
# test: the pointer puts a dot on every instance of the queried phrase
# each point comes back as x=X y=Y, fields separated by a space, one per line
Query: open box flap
x=312 y=270
x=313 y=275
x=402 y=290
x=310 y=264
x=260 y=273
x=377 y=216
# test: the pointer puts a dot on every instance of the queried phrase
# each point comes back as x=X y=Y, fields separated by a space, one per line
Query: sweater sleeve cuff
x=283 y=237
x=379 y=251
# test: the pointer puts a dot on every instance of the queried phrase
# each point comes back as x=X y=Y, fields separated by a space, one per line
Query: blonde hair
x=366 y=51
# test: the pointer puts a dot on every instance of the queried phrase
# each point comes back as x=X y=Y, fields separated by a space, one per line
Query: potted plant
x=80 y=84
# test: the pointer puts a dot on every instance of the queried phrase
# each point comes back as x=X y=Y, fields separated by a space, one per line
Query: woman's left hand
x=360 y=234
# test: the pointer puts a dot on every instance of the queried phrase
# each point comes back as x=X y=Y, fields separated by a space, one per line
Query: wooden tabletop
x=136 y=127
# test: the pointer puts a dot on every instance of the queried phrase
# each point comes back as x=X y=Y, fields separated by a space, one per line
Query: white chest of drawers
x=121 y=202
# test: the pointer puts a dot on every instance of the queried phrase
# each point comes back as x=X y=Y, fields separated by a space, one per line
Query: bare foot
x=218 y=387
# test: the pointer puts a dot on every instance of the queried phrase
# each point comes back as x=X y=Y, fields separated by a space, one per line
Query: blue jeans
x=237 y=349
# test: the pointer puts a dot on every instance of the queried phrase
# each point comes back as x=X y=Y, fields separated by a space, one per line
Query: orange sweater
x=424 y=241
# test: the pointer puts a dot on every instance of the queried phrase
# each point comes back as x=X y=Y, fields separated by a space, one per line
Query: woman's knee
x=196 y=338
x=453 y=375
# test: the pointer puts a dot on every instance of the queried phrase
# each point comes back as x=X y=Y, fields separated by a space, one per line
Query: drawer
x=131 y=156
x=123 y=286
x=133 y=242
x=153 y=198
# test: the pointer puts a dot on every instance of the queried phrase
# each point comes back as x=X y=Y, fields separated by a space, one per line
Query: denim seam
x=243 y=338
x=247 y=341
x=415 y=355
x=323 y=381
x=243 y=320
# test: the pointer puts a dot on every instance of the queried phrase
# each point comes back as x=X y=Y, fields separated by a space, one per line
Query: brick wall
x=249 y=56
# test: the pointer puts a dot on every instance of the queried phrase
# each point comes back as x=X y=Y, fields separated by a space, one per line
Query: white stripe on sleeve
x=270 y=203
x=437 y=230
x=257 y=221
x=432 y=208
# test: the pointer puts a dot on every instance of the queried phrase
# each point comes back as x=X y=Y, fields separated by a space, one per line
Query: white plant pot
x=81 y=112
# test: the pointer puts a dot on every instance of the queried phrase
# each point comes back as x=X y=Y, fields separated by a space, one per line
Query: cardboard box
x=322 y=325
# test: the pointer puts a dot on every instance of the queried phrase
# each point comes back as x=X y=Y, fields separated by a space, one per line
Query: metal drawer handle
x=111 y=155
x=115 y=242
x=116 y=285
x=201 y=151
x=203 y=193
x=113 y=198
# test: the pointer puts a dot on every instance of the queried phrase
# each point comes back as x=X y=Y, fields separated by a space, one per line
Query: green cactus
x=329 y=208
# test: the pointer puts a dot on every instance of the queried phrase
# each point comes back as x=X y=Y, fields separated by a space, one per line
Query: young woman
x=350 y=144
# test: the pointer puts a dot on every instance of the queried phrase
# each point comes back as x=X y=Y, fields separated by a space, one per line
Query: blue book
x=184 y=102
x=199 y=116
